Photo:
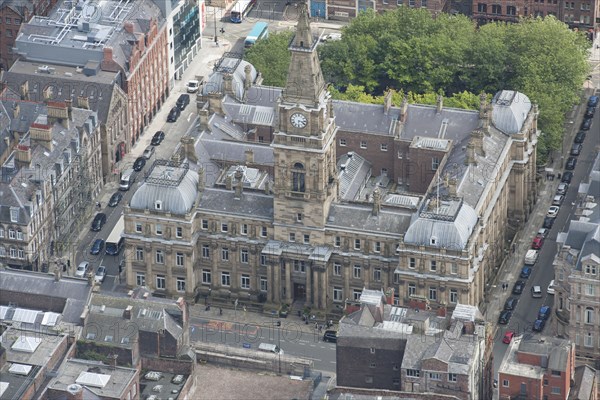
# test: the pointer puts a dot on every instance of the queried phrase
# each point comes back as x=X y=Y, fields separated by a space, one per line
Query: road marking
x=190 y=116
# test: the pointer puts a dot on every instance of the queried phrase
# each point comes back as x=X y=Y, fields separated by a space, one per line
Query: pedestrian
x=98 y=205
x=559 y=175
x=220 y=311
x=316 y=326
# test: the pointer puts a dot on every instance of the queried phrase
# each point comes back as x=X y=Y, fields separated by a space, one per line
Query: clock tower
x=304 y=142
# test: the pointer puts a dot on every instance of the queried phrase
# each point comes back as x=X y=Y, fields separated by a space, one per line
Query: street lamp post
x=215 y=21
x=279 y=343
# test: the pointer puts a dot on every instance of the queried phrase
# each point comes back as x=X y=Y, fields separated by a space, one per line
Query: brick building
x=344 y=10
x=278 y=199
x=13 y=13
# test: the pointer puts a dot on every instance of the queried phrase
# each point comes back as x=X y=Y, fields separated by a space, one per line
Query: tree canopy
x=271 y=57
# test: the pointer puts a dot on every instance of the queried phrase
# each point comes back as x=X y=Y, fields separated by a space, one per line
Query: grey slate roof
x=583 y=389
x=457 y=353
x=234 y=66
x=230 y=151
x=357 y=217
x=252 y=204
x=510 y=109
x=352 y=177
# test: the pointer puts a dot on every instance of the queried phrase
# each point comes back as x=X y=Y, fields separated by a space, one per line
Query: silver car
x=148 y=152
x=82 y=269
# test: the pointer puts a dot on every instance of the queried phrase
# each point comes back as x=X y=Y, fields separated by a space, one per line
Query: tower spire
x=303 y=37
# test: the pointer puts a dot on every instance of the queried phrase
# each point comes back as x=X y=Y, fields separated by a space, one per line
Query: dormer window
x=158 y=205
x=14 y=214
x=433 y=241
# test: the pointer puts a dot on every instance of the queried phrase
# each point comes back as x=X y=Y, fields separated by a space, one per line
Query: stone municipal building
x=285 y=195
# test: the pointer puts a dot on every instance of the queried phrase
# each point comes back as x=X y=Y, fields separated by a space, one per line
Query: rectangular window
x=356 y=272
x=179 y=232
x=21 y=253
x=225 y=279
x=245 y=281
x=140 y=279
x=377 y=274
x=590 y=290
x=412 y=263
x=263 y=231
x=263 y=260
x=415 y=373
x=432 y=293
x=244 y=229
x=299 y=217
x=205 y=251
x=337 y=241
x=590 y=269
x=377 y=248
x=396 y=277
x=433 y=265
x=363 y=144
x=411 y=3
x=555 y=373
x=292 y=237
x=139 y=254
x=435 y=163
x=161 y=282
x=244 y=256
x=179 y=259
x=337 y=269
x=356 y=244
x=588 y=340
x=299 y=266
x=263 y=284
x=384 y=147
x=180 y=284
x=159 y=230
x=555 y=390
x=14 y=214
x=11 y=234
x=453 y=296
x=454 y=268
x=434 y=376
x=356 y=294
x=160 y=257
x=505 y=383
x=306 y=239
x=138 y=228
x=496 y=9
x=338 y=294
x=452 y=378
x=206 y=276
x=204 y=224
x=342 y=142
x=481 y=7
x=224 y=227
x=412 y=289
x=225 y=254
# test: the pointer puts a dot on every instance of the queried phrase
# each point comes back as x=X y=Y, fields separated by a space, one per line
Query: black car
x=504 y=317
x=580 y=137
x=174 y=114
x=330 y=336
x=139 y=163
x=571 y=162
x=98 y=222
x=586 y=124
x=519 y=286
x=589 y=112
x=97 y=247
x=511 y=303
x=183 y=101
x=115 y=199
x=157 y=139
x=548 y=222
x=567 y=176
x=576 y=149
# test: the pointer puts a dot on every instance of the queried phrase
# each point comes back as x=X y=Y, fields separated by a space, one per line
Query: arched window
x=298 y=174
x=589 y=315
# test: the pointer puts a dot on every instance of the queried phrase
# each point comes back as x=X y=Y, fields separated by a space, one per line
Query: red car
x=508 y=337
x=538 y=241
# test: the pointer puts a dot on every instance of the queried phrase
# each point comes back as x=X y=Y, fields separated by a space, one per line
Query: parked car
x=538 y=325
x=567 y=176
x=508 y=336
x=553 y=211
x=543 y=232
x=586 y=124
x=525 y=272
x=139 y=163
x=115 y=199
x=98 y=222
x=571 y=163
x=545 y=312
x=174 y=114
x=330 y=336
x=589 y=112
x=562 y=188
x=537 y=243
x=149 y=152
x=518 y=287
x=511 y=303
x=157 y=139
x=504 y=317
x=183 y=101
x=557 y=200
x=100 y=274
x=192 y=86
x=548 y=222
x=551 y=287
x=97 y=247
x=576 y=149
x=82 y=269
x=593 y=101
x=580 y=137
x=536 y=291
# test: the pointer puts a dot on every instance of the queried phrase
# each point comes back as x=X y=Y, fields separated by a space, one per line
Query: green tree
x=271 y=57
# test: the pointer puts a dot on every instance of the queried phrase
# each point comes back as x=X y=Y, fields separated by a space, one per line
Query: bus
x=240 y=9
x=258 y=32
x=115 y=240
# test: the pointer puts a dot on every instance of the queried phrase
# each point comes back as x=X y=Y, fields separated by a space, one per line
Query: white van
x=127 y=179
x=270 y=348
x=531 y=257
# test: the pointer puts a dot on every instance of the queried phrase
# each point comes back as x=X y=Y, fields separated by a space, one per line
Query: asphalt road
x=527 y=309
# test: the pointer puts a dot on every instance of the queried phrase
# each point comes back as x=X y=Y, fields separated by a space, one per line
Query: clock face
x=298 y=120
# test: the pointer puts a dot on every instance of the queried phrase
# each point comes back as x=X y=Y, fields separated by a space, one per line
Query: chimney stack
x=203 y=119
x=239 y=182
x=330 y=108
x=25 y=91
x=452 y=186
x=387 y=102
x=249 y=156
x=267 y=188
x=128 y=26
x=201 y=179
x=477 y=139
x=16 y=110
x=228 y=84
x=404 y=109
x=127 y=312
x=470 y=159
x=83 y=102
x=228 y=182
x=482 y=105
x=189 y=152
x=69 y=109
x=376 y=202
x=439 y=103
x=248 y=77
x=47 y=93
